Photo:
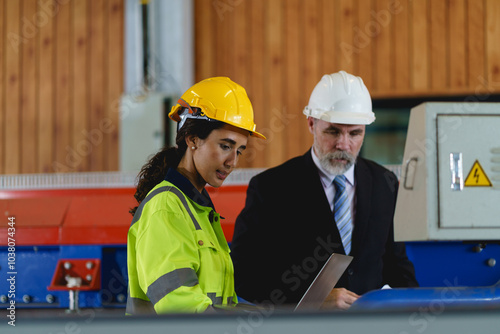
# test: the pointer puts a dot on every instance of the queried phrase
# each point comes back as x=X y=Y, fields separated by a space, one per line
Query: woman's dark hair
x=154 y=171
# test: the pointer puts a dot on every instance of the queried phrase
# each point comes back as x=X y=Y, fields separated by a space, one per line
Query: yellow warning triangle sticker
x=477 y=177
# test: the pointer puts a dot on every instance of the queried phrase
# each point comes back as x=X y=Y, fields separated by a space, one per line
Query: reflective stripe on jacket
x=177 y=256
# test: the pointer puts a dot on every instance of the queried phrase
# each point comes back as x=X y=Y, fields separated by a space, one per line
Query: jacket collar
x=313 y=181
x=184 y=185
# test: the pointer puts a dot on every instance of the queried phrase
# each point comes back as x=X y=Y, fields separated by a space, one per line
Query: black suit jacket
x=287 y=230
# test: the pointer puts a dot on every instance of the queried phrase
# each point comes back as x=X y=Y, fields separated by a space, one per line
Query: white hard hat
x=341 y=98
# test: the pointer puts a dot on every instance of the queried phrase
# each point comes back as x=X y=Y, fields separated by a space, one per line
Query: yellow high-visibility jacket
x=177 y=256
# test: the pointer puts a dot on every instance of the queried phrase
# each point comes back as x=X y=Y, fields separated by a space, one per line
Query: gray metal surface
x=434 y=319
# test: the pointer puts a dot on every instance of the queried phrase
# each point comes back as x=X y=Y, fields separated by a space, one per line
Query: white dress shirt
x=329 y=188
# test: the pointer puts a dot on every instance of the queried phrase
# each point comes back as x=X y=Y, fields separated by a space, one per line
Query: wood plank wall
x=61 y=75
x=61 y=67
x=279 y=49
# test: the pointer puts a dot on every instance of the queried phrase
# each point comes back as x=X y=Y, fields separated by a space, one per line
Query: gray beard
x=337 y=168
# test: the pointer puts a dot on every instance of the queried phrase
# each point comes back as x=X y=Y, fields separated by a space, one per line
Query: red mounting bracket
x=77 y=274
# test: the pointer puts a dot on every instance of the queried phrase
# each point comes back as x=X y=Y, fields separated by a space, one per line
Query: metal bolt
x=478 y=248
x=89 y=265
x=73 y=301
x=89 y=277
x=3 y=299
x=26 y=298
x=67 y=265
x=121 y=298
x=50 y=298
x=491 y=262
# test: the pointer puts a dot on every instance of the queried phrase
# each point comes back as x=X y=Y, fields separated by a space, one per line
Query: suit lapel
x=322 y=212
x=363 y=203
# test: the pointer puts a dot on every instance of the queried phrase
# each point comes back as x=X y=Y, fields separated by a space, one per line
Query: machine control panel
x=450 y=182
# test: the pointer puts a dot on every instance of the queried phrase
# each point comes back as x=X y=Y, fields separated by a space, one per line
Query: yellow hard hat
x=217 y=98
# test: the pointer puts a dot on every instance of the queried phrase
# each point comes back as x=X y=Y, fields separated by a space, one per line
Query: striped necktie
x=342 y=212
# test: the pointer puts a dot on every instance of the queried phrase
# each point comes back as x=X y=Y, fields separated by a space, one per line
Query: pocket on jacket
x=211 y=262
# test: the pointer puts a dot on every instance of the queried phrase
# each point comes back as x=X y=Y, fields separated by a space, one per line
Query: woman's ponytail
x=153 y=172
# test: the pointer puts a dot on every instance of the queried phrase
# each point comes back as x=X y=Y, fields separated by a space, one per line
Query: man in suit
x=288 y=227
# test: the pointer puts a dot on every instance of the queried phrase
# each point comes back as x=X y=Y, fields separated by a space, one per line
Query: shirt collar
x=181 y=182
x=326 y=177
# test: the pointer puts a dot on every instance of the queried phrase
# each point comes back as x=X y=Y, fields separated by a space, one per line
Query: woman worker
x=178 y=258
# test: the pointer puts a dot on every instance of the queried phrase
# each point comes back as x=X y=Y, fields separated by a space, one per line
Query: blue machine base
x=455 y=266
x=35 y=266
x=433 y=299
x=451 y=275
x=445 y=263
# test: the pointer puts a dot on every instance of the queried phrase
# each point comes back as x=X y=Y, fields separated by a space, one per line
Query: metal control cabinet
x=143 y=129
x=450 y=178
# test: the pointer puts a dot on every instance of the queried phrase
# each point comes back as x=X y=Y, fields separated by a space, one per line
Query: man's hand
x=339 y=299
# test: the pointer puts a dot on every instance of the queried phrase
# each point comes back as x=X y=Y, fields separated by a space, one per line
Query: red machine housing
x=91 y=216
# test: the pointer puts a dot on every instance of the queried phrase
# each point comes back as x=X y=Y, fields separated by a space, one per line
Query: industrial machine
x=57 y=219
x=448 y=207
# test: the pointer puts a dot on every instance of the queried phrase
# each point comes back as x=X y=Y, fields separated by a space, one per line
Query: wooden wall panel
x=383 y=46
x=46 y=91
x=61 y=67
x=241 y=45
x=3 y=139
x=346 y=20
x=115 y=73
x=80 y=103
x=311 y=32
x=97 y=82
x=12 y=143
x=61 y=77
x=255 y=154
x=401 y=48
x=419 y=45
x=205 y=36
x=28 y=103
x=476 y=65
x=63 y=110
x=458 y=58
x=492 y=45
x=292 y=122
x=401 y=34
x=363 y=42
x=439 y=49
x=329 y=55
x=274 y=85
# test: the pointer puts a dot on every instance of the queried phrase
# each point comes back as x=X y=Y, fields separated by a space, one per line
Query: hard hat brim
x=174 y=115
